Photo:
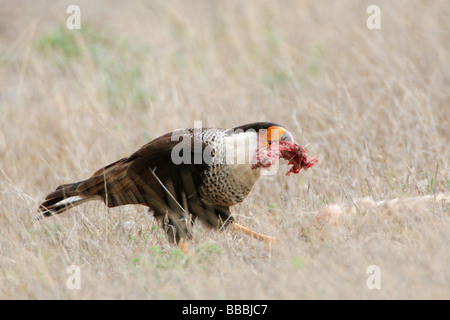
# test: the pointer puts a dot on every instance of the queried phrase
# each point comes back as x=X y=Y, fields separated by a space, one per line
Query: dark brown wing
x=138 y=178
x=150 y=177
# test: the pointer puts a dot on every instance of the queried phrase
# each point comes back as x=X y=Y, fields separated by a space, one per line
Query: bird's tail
x=63 y=198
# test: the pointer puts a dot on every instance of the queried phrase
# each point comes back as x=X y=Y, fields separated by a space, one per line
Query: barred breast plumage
x=228 y=180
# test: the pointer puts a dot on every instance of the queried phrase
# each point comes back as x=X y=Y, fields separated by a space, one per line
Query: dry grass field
x=374 y=105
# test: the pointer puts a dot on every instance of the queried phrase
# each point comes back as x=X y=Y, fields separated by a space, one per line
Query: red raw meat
x=294 y=153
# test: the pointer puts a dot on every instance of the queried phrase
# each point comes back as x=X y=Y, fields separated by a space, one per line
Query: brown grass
x=373 y=104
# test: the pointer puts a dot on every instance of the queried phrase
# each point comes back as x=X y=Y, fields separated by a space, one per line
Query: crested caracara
x=187 y=174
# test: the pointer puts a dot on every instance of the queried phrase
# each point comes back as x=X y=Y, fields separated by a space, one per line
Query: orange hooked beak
x=275 y=133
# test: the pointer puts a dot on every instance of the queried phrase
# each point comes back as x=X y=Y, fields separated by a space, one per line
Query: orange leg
x=253 y=234
x=183 y=245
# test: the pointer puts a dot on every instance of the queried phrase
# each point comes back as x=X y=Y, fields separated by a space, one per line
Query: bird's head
x=274 y=133
x=268 y=132
x=274 y=143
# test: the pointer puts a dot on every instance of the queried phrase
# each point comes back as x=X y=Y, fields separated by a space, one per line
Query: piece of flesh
x=294 y=153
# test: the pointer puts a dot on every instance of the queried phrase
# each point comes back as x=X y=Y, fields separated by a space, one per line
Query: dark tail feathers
x=63 y=198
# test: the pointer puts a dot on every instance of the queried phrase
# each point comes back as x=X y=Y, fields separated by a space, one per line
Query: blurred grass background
x=373 y=104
